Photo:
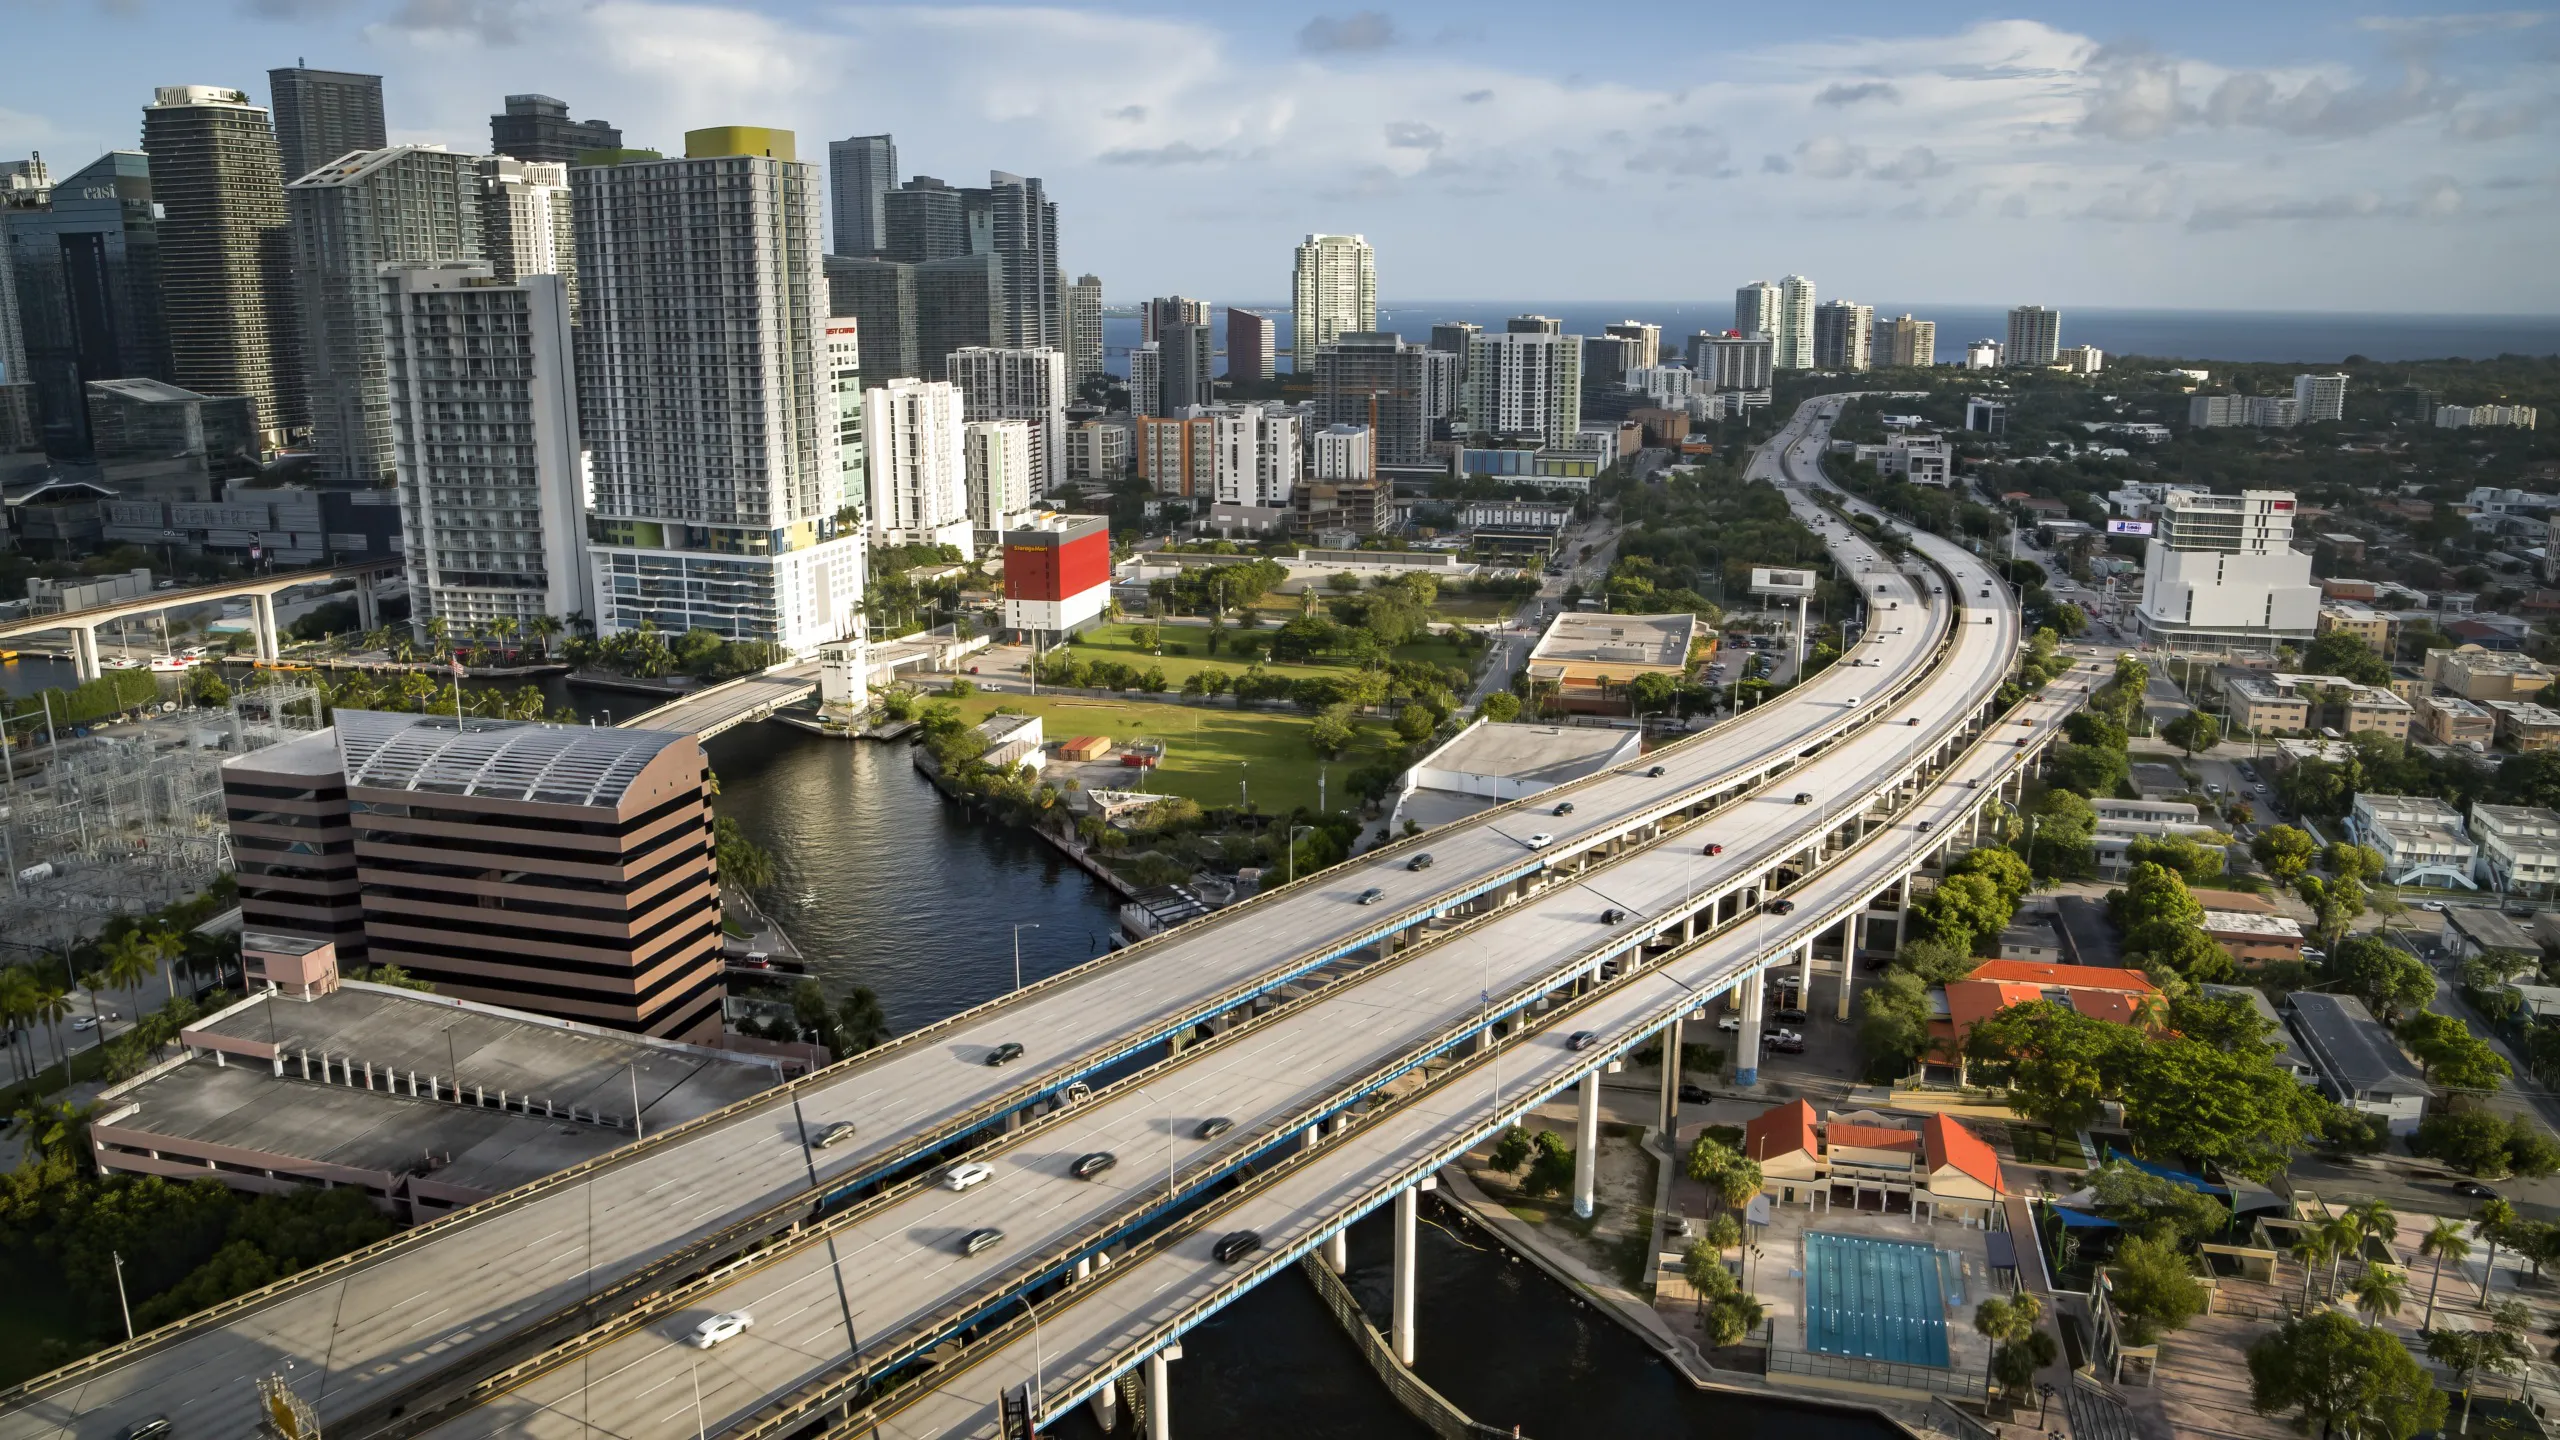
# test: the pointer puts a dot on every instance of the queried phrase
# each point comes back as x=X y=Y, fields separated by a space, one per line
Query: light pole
x=1017 y=949
x=121 y=1303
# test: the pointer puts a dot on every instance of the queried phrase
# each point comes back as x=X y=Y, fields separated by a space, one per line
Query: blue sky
x=2251 y=156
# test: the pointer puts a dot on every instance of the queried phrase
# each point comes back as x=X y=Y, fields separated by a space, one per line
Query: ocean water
x=2310 y=337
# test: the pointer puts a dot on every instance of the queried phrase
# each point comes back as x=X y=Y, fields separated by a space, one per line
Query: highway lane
x=902 y=1268
x=423 y=1305
x=1103 y=1325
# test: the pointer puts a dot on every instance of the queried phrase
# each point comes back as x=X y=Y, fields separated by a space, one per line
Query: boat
x=174 y=664
x=7 y=655
x=120 y=662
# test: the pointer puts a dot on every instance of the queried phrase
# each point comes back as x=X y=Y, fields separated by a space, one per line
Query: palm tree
x=2346 y=1237
x=2379 y=1292
x=53 y=1006
x=505 y=627
x=2310 y=1250
x=17 y=1001
x=130 y=960
x=544 y=628
x=436 y=632
x=2495 y=1216
x=2444 y=1242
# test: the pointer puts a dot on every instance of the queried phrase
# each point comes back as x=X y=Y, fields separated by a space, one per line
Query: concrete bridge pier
x=1586 y=1152
x=1668 y=1111
x=1400 y=1327
x=368 y=614
x=1746 y=1049
x=1337 y=1251
x=1160 y=1393
x=262 y=619
x=84 y=652
x=1106 y=1408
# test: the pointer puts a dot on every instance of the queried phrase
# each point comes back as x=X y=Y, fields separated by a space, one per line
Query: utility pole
x=121 y=1303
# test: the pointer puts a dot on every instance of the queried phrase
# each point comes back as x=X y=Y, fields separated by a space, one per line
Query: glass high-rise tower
x=1335 y=291
x=225 y=250
x=322 y=114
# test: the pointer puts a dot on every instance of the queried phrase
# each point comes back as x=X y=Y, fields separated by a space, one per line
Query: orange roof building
x=2119 y=997
x=1939 y=1169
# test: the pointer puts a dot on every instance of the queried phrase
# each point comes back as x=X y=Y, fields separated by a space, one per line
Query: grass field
x=1207 y=748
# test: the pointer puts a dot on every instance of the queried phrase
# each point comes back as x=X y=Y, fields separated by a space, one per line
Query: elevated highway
x=82 y=624
x=466 y=1295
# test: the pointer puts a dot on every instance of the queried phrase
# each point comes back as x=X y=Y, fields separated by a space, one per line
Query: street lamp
x=1017 y=949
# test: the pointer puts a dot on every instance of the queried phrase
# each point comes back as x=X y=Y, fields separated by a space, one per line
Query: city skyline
x=2183 y=167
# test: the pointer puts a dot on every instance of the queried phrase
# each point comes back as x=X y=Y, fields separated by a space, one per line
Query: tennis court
x=1876 y=1299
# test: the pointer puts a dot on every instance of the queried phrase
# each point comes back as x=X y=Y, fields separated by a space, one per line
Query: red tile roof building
x=1938 y=1168
x=2119 y=997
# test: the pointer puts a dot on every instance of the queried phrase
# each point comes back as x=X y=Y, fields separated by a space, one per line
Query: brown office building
x=292 y=843
x=560 y=869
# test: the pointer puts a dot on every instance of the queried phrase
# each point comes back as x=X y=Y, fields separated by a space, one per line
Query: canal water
x=885 y=883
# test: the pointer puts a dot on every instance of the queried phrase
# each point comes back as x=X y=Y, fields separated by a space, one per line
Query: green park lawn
x=1207 y=748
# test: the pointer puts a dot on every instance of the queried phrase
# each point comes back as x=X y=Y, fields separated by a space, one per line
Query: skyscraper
x=1647 y=339
x=1335 y=289
x=88 y=290
x=19 y=427
x=880 y=296
x=225 y=250
x=1533 y=325
x=1167 y=310
x=538 y=128
x=844 y=387
x=1526 y=386
x=912 y=440
x=924 y=219
x=1843 y=335
x=1379 y=383
x=479 y=391
x=323 y=114
x=1190 y=352
x=2319 y=397
x=1456 y=338
x=859 y=172
x=1023 y=233
x=1794 y=350
x=960 y=302
x=1755 y=309
x=1253 y=342
x=1084 y=330
x=1146 y=379
x=2035 y=336
x=703 y=387
x=1024 y=384
x=526 y=225
x=1906 y=342
x=996 y=458
x=351 y=216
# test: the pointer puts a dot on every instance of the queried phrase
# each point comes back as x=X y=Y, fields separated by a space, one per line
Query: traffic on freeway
x=443 y=1299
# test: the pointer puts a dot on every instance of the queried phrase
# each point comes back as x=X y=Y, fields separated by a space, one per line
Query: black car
x=1580 y=1040
x=150 y=1427
x=1004 y=1054
x=1088 y=1166
x=2473 y=1190
x=1654 y=774
x=1694 y=1094
x=1212 y=1128
x=1419 y=862
x=1237 y=1244
x=1782 y=907
x=1563 y=807
x=1713 y=849
x=1789 y=1016
x=1612 y=916
x=1804 y=797
x=977 y=1240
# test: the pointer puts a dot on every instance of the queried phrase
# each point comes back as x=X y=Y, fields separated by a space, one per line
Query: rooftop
x=528 y=760
x=1658 y=641
x=1553 y=754
x=2477 y=660
x=2354 y=1050
x=2514 y=820
x=2491 y=930
x=2234 y=922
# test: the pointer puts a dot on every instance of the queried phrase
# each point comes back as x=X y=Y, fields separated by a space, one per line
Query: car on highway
x=1235 y=1245
x=1712 y=849
x=1093 y=1163
x=1212 y=1128
x=1419 y=862
x=1804 y=797
x=727 y=1325
x=2473 y=1190
x=1541 y=840
x=986 y=1237
x=1372 y=895
x=1580 y=1040
x=1928 y=825
x=1613 y=916
x=1005 y=1054
x=968 y=1174
x=833 y=1135
x=85 y=1022
x=1563 y=807
x=1656 y=772
x=1782 y=907
x=149 y=1427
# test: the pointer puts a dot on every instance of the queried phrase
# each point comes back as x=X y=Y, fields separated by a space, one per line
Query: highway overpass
x=82 y=625
x=468 y=1294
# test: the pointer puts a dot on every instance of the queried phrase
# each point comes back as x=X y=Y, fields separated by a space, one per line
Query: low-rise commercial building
x=1586 y=662
x=2421 y=839
x=2282 y=702
x=424 y=1102
x=2519 y=848
x=2374 y=627
x=2360 y=1066
x=2452 y=720
x=2482 y=676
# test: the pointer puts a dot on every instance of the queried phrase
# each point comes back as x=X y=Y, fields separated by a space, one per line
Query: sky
x=2257 y=156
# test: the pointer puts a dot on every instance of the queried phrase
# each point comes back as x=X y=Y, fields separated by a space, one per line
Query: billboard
x=1784 y=584
x=2128 y=527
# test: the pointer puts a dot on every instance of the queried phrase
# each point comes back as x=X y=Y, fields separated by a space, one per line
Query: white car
x=85 y=1022
x=2435 y=905
x=1541 y=840
x=727 y=1325
x=961 y=1177
x=1730 y=1022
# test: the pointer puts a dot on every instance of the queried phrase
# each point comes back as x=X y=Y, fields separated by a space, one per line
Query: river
x=884 y=883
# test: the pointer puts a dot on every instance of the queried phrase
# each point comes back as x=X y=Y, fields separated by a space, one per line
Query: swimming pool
x=1876 y=1299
